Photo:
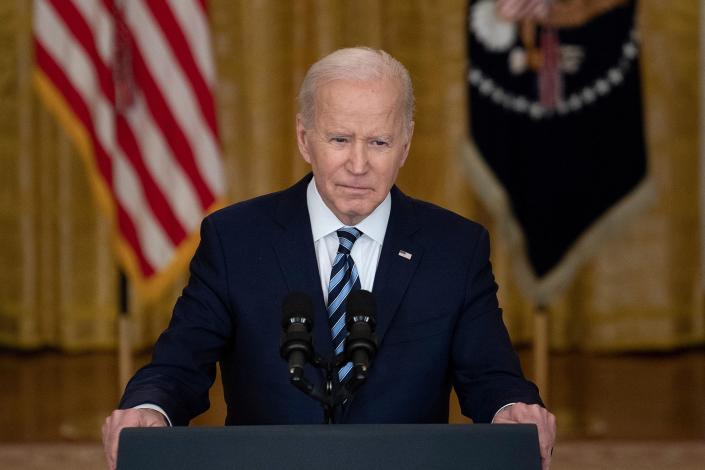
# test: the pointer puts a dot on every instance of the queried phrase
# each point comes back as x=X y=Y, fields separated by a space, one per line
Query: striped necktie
x=343 y=280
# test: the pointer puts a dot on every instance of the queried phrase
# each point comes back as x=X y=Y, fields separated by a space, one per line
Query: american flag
x=132 y=82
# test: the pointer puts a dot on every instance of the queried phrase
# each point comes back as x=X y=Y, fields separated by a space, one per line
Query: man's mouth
x=355 y=188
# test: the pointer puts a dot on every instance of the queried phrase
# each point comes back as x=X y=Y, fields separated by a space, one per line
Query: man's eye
x=380 y=143
x=338 y=140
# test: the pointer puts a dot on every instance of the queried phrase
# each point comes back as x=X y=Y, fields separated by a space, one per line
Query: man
x=438 y=321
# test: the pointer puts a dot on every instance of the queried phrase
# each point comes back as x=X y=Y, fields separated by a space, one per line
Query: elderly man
x=438 y=321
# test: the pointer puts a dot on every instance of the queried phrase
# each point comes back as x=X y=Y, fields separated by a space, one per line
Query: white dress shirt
x=366 y=250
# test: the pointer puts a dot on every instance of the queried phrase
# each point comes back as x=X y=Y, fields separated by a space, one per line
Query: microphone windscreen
x=297 y=304
x=361 y=303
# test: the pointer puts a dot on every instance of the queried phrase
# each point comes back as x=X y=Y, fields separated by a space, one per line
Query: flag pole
x=702 y=150
x=540 y=350
x=125 y=360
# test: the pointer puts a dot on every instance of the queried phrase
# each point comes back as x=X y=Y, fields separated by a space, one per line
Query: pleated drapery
x=58 y=283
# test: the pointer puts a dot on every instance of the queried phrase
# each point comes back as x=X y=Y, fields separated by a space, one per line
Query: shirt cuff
x=495 y=415
x=150 y=406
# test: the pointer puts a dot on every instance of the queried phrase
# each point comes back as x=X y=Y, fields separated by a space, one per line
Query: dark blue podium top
x=332 y=447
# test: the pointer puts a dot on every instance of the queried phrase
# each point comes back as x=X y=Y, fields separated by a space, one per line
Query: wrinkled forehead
x=359 y=100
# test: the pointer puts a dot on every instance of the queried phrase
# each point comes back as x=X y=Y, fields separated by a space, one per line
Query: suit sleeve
x=184 y=361
x=486 y=370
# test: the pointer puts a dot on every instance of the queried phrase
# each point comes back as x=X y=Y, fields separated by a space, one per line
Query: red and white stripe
x=159 y=153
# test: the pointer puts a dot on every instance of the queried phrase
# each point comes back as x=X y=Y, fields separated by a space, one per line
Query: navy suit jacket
x=439 y=324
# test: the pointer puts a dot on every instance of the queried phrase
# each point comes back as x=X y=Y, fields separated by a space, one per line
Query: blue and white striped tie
x=343 y=279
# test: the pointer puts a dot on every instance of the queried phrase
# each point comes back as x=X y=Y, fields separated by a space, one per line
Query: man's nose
x=358 y=159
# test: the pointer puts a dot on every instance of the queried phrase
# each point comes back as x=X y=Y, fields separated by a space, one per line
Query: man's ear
x=407 y=144
x=302 y=137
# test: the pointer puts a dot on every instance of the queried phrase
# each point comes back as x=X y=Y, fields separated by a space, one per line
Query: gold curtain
x=58 y=284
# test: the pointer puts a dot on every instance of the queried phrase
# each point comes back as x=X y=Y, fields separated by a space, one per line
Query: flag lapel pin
x=405 y=254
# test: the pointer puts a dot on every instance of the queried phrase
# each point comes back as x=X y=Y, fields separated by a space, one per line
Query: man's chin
x=353 y=216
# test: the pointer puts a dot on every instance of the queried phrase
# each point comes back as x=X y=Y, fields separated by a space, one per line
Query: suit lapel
x=398 y=261
x=297 y=259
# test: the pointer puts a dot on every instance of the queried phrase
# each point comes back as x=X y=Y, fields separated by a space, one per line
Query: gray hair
x=355 y=64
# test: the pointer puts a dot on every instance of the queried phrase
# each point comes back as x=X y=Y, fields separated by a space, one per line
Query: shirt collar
x=323 y=221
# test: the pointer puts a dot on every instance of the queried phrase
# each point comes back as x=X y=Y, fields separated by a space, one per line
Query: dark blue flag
x=556 y=122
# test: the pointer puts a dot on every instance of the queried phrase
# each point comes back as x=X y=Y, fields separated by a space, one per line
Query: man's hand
x=132 y=418
x=532 y=414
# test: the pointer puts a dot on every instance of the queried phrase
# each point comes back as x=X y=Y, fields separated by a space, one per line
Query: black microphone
x=296 y=345
x=361 y=318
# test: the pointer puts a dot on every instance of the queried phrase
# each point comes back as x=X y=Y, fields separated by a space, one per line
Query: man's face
x=356 y=145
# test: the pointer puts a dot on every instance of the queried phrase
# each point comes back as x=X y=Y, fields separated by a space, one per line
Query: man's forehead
x=382 y=91
x=358 y=101
x=378 y=125
x=341 y=114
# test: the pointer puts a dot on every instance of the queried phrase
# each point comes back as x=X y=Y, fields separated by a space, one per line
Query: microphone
x=361 y=318
x=296 y=346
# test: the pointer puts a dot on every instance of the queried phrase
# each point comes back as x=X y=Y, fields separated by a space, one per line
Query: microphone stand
x=331 y=396
x=360 y=348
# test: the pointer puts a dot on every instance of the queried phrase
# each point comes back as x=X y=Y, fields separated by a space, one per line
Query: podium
x=332 y=447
